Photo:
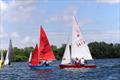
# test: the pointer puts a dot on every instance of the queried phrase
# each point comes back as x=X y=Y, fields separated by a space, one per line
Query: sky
x=20 y=20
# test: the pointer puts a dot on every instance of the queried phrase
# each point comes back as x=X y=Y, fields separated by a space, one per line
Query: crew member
x=77 y=61
x=82 y=61
x=46 y=63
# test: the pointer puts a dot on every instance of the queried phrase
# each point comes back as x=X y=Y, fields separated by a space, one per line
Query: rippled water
x=107 y=69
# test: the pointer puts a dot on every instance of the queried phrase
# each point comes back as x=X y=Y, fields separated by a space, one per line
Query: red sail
x=34 y=59
x=45 y=52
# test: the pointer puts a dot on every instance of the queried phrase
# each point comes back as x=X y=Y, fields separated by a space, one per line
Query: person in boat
x=82 y=61
x=46 y=63
x=77 y=61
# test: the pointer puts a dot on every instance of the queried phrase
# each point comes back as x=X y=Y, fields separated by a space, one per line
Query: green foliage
x=19 y=58
x=104 y=50
x=58 y=51
x=97 y=49
x=20 y=54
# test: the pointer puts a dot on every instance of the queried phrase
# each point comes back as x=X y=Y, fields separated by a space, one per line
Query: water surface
x=107 y=69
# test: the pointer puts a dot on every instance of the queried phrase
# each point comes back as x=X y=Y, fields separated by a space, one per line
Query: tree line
x=99 y=50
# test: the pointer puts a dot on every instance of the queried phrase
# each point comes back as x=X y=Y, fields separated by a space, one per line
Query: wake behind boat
x=79 y=51
x=42 y=56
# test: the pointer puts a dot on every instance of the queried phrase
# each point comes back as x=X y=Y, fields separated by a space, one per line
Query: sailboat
x=42 y=53
x=79 y=49
x=8 y=55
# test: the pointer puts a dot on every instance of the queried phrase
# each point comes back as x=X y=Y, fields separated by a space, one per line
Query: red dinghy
x=79 y=51
x=42 y=54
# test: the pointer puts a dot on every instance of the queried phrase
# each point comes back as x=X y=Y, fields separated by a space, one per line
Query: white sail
x=8 y=55
x=30 y=57
x=79 y=46
x=2 y=57
x=66 y=57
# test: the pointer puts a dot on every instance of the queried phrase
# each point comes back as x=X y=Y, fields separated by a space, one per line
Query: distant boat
x=42 y=54
x=79 y=49
x=8 y=55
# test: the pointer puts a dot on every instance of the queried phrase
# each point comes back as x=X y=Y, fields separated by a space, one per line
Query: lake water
x=107 y=69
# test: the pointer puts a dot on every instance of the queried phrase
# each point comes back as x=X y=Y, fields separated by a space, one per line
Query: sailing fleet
x=75 y=55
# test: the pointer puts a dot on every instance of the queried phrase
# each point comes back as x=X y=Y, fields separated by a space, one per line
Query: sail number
x=80 y=42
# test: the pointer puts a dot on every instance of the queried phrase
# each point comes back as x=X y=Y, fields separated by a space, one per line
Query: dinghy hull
x=41 y=67
x=77 y=66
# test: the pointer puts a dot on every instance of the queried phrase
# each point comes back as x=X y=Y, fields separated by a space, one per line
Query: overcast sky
x=20 y=20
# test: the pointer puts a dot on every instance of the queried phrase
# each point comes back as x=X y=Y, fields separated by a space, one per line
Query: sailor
x=82 y=61
x=77 y=61
x=46 y=63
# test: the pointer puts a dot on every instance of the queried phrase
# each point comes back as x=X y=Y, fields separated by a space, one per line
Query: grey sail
x=9 y=54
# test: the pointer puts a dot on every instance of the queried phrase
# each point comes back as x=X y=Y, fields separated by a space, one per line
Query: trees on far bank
x=98 y=50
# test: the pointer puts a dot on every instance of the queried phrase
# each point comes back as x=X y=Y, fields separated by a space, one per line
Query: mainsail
x=34 y=59
x=79 y=46
x=45 y=51
x=9 y=54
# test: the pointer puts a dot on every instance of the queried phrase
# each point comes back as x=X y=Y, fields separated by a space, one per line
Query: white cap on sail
x=79 y=46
